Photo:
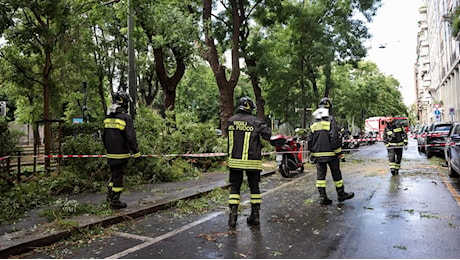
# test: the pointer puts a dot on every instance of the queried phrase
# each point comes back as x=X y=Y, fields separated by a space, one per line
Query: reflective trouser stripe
x=338 y=184
x=234 y=199
x=117 y=189
x=256 y=198
x=392 y=165
x=321 y=183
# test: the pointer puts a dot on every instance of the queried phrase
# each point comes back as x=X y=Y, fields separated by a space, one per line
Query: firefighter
x=244 y=155
x=325 y=146
x=120 y=140
x=395 y=139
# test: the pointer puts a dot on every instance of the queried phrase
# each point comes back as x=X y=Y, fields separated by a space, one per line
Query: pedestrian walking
x=325 y=145
x=395 y=139
x=245 y=155
x=120 y=141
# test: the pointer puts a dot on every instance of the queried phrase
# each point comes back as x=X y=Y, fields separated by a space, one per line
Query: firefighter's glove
x=340 y=155
x=405 y=147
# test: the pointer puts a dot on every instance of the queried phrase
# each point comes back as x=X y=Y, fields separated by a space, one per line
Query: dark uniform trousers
x=334 y=165
x=117 y=171
x=236 y=179
x=395 y=156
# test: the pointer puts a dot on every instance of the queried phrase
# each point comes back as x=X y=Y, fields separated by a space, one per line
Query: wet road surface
x=412 y=215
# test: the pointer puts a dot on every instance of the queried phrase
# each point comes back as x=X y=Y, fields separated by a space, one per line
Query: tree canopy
x=196 y=55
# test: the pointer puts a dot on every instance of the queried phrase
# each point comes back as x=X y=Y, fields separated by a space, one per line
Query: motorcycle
x=289 y=154
x=349 y=142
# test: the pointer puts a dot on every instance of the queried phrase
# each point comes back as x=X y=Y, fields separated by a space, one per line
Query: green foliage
x=377 y=93
x=178 y=133
x=201 y=205
x=84 y=170
x=64 y=208
x=21 y=198
x=454 y=20
x=8 y=140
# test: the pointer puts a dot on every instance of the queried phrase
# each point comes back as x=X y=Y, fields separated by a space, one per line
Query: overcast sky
x=395 y=27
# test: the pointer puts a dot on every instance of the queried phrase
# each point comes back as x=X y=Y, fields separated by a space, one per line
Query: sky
x=395 y=27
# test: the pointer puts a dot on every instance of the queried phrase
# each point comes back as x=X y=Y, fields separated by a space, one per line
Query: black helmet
x=325 y=103
x=122 y=98
x=246 y=105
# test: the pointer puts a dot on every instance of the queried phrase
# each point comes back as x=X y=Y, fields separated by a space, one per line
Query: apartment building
x=436 y=69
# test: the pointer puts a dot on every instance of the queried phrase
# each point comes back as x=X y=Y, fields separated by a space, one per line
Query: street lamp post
x=132 y=84
x=131 y=62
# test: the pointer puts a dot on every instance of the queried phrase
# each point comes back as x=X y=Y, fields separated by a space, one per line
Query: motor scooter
x=289 y=154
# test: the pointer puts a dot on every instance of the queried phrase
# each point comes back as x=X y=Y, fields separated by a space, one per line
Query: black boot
x=342 y=195
x=324 y=199
x=254 y=218
x=115 y=203
x=233 y=216
x=393 y=172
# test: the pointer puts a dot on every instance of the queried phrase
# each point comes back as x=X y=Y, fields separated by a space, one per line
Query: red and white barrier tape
x=197 y=154
x=361 y=140
x=4 y=157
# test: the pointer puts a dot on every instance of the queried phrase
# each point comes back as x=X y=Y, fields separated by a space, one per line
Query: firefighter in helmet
x=244 y=155
x=325 y=145
x=120 y=141
x=395 y=139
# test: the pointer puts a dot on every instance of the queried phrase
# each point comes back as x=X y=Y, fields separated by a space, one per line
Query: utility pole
x=131 y=62
x=84 y=109
x=132 y=83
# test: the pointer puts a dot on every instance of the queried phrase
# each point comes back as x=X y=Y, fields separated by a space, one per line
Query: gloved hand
x=405 y=147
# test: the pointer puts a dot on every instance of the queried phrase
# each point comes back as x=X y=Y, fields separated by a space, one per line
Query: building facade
x=437 y=77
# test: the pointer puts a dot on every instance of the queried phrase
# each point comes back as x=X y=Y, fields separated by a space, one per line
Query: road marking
x=152 y=240
x=452 y=189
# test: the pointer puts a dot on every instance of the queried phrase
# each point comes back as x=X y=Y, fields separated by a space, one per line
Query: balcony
x=422 y=10
x=426 y=83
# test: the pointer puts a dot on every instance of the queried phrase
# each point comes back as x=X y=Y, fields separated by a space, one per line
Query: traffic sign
x=452 y=110
x=436 y=106
x=437 y=112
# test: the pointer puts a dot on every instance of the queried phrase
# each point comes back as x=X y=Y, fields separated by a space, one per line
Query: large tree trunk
x=169 y=84
x=329 y=82
x=226 y=87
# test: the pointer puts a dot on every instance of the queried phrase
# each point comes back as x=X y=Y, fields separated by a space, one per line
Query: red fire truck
x=375 y=125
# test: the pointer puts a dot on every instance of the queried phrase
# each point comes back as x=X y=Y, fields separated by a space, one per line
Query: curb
x=23 y=241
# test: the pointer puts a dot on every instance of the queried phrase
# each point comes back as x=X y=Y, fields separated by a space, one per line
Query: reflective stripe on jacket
x=323 y=138
x=119 y=136
x=394 y=135
x=244 y=146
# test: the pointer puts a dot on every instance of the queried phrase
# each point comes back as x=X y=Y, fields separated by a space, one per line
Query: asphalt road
x=413 y=215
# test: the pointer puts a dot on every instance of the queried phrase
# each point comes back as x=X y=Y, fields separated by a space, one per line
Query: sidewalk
x=36 y=231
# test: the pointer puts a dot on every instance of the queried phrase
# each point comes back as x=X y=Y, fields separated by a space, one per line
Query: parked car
x=420 y=136
x=435 y=139
x=452 y=150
